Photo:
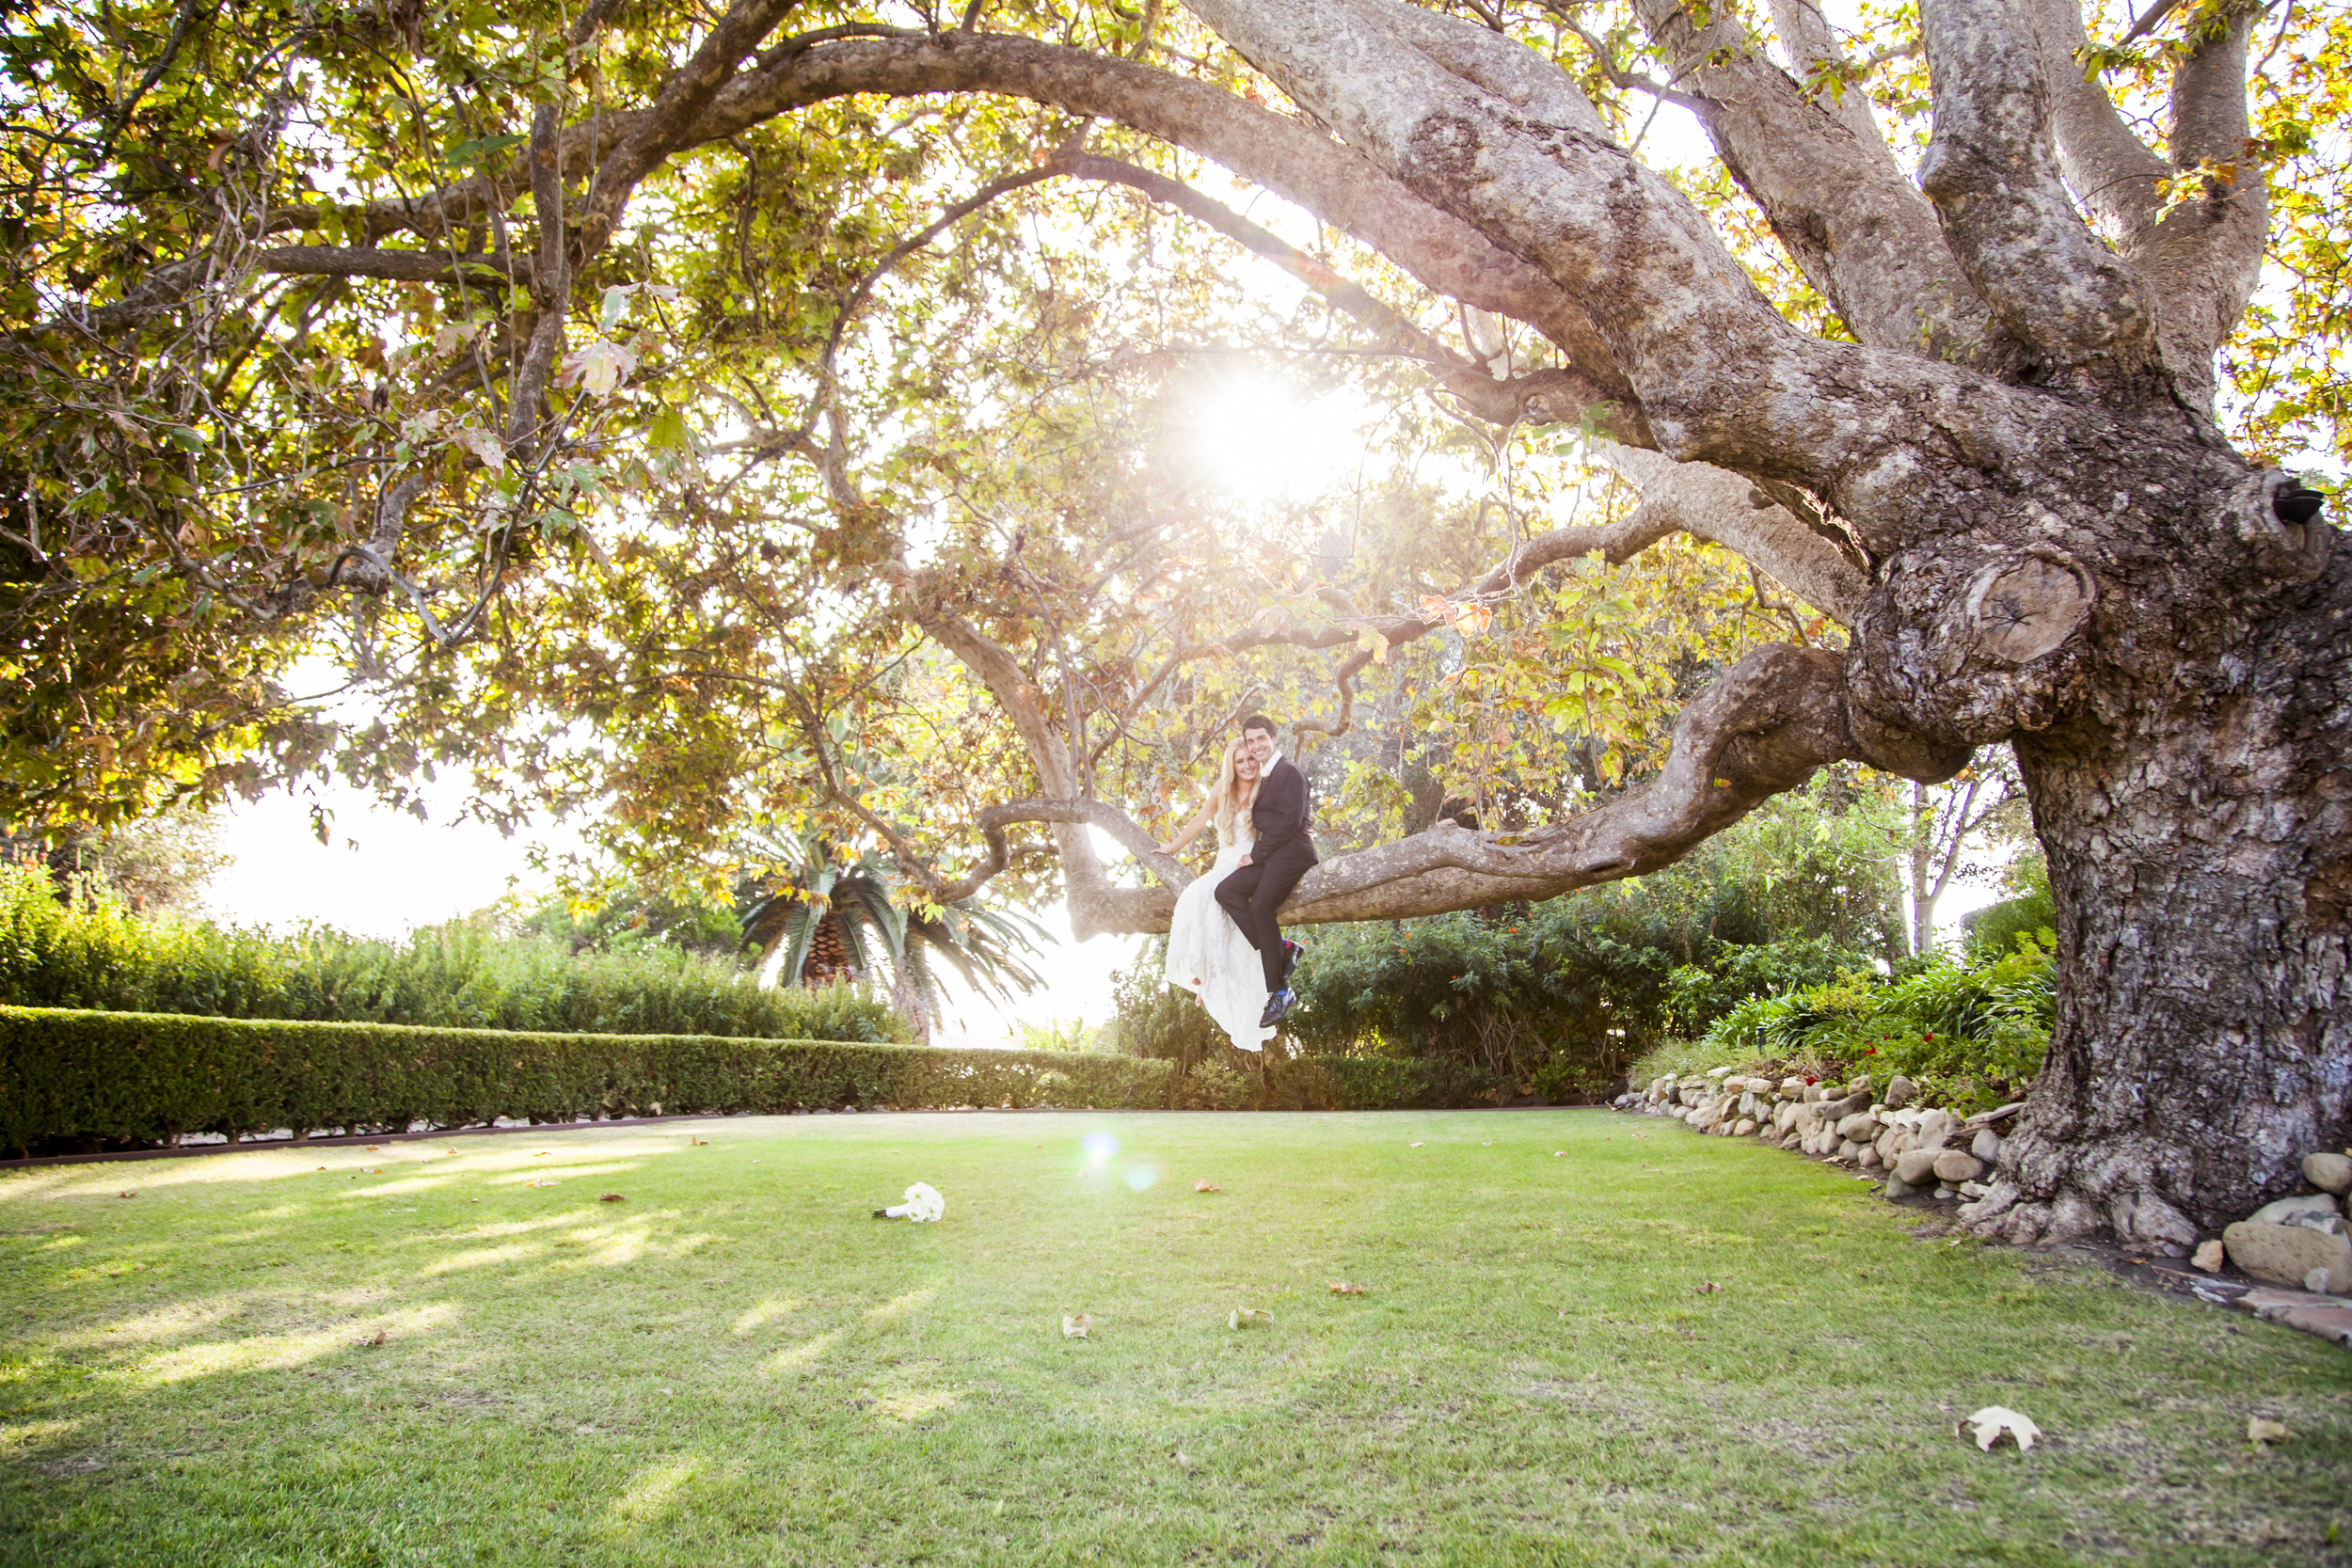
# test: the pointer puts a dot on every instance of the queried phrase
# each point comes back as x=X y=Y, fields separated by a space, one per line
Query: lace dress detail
x=1208 y=956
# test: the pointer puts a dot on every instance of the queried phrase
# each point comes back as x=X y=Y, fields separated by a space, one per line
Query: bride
x=1207 y=953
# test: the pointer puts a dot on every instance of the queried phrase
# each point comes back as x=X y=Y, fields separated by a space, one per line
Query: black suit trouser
x=1252 y=893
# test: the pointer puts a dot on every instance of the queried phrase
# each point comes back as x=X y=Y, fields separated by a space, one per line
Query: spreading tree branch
x=1819 y=169
x=1991 y=170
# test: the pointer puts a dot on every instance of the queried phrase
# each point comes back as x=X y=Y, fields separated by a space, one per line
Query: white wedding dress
x=1208 y=956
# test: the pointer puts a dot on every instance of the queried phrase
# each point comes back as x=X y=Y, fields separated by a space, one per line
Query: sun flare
x=1258 y=440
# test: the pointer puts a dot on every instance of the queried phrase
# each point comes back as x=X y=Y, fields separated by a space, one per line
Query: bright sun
x=1261 y=442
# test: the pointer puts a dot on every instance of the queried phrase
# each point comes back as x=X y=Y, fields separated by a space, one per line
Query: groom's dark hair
x=1259 y=721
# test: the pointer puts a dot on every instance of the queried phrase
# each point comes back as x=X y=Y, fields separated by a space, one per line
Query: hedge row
x=71 y=1079
x=1376 y=1083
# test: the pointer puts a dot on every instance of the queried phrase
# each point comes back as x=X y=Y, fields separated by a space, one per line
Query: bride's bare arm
x=1192 y=829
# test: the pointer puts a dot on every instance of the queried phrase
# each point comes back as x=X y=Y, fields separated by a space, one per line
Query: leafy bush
x=1968 y=1034
x=1699 y=995
x=98 y=954
x=77 y=1078
x=1992 y=931
x=1059 y=1033
x=1679 y=1059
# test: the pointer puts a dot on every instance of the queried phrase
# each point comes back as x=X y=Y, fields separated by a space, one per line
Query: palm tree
x=820 y=917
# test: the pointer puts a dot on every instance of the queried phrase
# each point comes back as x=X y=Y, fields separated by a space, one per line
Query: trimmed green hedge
x=76 y=1079
x=1379 y=1084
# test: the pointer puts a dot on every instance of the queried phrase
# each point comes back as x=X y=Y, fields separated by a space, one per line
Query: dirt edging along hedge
x=72 y=1077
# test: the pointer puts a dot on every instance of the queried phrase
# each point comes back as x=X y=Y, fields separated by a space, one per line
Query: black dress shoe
x=1275 y=1005
x=1290 y=951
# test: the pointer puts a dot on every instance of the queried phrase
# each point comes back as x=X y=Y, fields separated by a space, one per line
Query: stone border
x=1914 y=1149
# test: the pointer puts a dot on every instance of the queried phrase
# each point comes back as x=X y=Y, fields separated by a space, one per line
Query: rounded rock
x=1957 y=1165
x=1915 y=1165
x=2329 y=1173
x=2288 y=1211
x=2283 y=1254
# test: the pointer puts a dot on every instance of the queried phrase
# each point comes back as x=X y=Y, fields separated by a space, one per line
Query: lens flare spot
x=1100 y=1148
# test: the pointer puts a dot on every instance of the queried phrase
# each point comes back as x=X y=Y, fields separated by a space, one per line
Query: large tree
x=315 y=311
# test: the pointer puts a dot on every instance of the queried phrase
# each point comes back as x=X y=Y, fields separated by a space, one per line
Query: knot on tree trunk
x=2024 y=609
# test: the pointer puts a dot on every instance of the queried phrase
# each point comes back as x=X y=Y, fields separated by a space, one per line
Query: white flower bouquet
x=921 y=1203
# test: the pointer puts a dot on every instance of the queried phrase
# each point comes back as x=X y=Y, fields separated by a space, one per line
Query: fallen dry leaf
x=1183 y=1459
x=126 y=1194
x=1074 y=1325
x=2260 y=1431
x=543 y=1183
x=377 y=1341
x=1414 y=1145
x=612 y=1197
x=1206 y=1186
x=1485 y=1146
x=374 y=1148
x=1248 y=1316
x=1559 y=1153
x=1995 y=1419
x=1341 y=1288
x=541 y=1155
x=1708 y=1287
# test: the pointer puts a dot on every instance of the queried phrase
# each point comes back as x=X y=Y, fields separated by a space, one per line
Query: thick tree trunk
x=2201 y=851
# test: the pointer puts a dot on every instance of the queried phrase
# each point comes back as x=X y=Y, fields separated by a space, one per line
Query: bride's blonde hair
x=1232 y=795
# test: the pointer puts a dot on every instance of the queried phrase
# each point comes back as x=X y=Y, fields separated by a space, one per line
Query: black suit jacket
x=1279 y=815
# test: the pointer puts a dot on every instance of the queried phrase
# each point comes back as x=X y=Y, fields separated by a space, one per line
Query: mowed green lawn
x=416 y=1355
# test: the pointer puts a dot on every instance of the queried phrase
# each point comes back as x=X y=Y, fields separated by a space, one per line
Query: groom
x=1254 y=890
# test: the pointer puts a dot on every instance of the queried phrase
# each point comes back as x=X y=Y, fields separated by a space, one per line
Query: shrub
x=1378 y=1083
x=456 y=975
x=81 y=1078
x=1968 y=1034
x=1993 y=932
x=1678 y=1058
x=1697 y=995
